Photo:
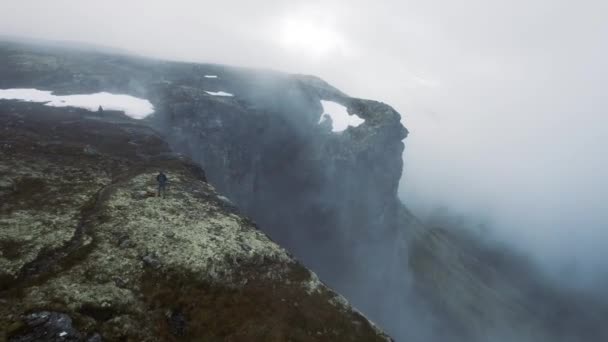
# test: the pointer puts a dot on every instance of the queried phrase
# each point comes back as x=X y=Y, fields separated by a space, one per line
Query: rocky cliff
x=329 y=198
x=317 y=192
x=90 y=253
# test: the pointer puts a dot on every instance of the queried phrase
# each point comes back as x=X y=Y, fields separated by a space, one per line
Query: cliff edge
x=90 y=253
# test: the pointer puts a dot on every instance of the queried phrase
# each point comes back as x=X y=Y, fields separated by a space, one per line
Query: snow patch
x=132 y=106
x=340 y=118
x=218 y=93
x=210 y=76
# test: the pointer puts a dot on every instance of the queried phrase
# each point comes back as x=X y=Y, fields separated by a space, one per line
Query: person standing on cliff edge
x=162 y=184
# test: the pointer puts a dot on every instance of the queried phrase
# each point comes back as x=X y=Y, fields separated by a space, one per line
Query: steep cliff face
x=316 y=191
x=329 y=198
x=89 y=253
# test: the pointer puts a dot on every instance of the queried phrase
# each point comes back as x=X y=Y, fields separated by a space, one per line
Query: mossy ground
x=81 y=235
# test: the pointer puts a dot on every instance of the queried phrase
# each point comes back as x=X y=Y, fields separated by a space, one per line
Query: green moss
x=138 y=268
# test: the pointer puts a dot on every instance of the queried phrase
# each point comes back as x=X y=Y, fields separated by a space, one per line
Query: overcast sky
x=505 y=100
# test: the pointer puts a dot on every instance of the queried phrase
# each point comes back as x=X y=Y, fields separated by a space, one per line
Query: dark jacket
x=161 y=178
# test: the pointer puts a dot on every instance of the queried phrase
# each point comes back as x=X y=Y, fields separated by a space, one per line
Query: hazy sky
x=505 y=100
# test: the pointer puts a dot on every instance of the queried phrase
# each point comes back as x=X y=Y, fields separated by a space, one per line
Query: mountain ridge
x=95 y=254
x=329 y=198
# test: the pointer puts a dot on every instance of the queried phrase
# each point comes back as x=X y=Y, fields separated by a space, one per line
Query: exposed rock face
x=87 y=254
x=330 y=199
x=315 y=191
x=119 y=261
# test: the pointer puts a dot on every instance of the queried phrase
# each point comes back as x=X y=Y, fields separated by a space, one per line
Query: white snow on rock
x=338 y=113
x=210 y=76
x=218 y=93
x=132 y=106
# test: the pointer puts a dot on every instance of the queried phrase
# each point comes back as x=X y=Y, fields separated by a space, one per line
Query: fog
x=505 y=100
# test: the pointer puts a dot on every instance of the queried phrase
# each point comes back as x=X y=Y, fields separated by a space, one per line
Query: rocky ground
x=329 y=198
x=90 y=253
x=87 y=249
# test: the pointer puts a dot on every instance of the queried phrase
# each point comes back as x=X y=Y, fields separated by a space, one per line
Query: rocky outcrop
x=329 y=198
x=90 y=253
x=120 y=262
x=315 y=191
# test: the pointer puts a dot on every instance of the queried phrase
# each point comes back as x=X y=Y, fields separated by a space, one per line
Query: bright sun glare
x=311 y=37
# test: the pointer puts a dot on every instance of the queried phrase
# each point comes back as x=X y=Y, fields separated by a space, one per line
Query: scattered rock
x=95 y=338
x=151 y=260
x=46 y=326
x=126 y=243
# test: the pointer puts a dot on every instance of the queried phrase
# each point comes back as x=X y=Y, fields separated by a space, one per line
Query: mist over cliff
x=504 y=102
x=329 y=197
x=503 y=159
